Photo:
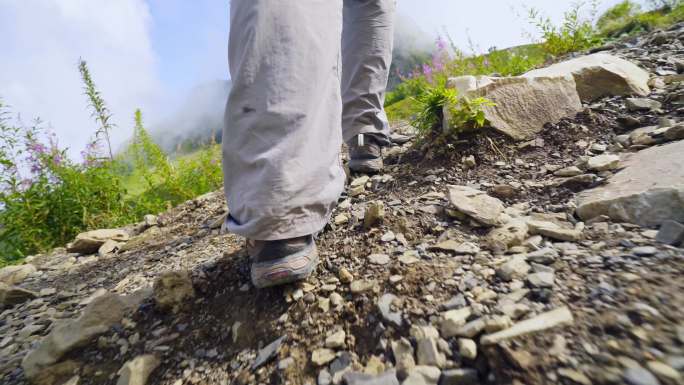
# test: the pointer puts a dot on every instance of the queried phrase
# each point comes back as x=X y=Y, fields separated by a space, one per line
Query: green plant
x=430 y=104
x=463 y=113
x=617 y=16
x=467 y=114
x=100 y=111
x=576 y=32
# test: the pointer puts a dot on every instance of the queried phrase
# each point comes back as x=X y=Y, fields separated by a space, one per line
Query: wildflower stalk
x=100 y=111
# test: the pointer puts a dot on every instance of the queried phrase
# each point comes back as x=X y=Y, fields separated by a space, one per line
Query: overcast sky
x=149 y=53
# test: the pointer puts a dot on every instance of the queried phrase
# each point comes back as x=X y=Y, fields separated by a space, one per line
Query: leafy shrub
x=46 y=198
x=464 y=114
x=576 y=33
x=617 y=16
x=467 y=114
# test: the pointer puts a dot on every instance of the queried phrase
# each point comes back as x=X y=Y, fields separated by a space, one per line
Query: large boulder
x=648 y=191
x=600 y=75
x=522 y=105
x=90 y=241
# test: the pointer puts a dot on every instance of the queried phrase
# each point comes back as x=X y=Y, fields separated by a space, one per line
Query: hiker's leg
x=282 y=134
x=367 y=39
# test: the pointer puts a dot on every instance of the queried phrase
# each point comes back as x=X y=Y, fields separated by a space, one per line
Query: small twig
x=495 y=148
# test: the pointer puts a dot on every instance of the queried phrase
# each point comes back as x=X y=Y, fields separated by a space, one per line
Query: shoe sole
x=366 y=165
x=293 y=268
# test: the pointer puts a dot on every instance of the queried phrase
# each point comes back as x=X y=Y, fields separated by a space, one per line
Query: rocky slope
x=463 y=264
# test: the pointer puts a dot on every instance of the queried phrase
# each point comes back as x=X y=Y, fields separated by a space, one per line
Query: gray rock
x=671 y=233
x=423 y=375
x=471 y=329
x=578 y=182
x=98 y=317
x=379 y=259
x=173 y=290
x=568 y=172
x=648 y=191
x=137 y=370
x=675 y=132
x=664 y=372
x=361 y=286
x=550 y=319
x=453 y=320
x=459 y=377
x=644 y=251
x=523 y=105
x=476 y=204
x=600 y=75
x=356 y=378
x=639 y=376
x=336 y=340
x=513 y=233
x=14 y=275
x=375 y=214
x=561 y=231
x=402 y=350
x=541 y=279
x=467 y=348
x=455 y=302
x=428 y=354
x=642 y=104
x=324 y=378
x=603 y=162
x=267 y=353
x=90 y=241
x=322 y=356
x=515 y=268
x=545 y=256
x=12 y=295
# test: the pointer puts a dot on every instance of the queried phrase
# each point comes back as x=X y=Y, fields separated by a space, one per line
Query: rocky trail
x=553 y=259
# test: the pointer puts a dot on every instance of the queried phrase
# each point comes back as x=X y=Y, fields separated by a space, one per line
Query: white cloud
x=42 y=43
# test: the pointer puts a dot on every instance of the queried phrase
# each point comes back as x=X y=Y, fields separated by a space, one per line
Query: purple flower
x=427 y=71
x=441 y=44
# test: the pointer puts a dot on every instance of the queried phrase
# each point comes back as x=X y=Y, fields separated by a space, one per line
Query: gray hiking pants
x=302 y=83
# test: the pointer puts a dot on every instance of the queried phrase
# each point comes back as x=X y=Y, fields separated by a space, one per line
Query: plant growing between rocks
x=465 y=114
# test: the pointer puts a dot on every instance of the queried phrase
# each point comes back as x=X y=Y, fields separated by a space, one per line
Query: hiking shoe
x=283 y=261
x=365 y=154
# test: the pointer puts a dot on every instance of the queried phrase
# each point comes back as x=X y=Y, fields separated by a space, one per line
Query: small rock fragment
x=267 y=353
x=379 y=259
x=603 y=162
x=467 y=348
x=322 y=356
x=541 y=322
x=515 y=268
x=453 y=320
x=173 y=290
x=13 y=295
x=385 y=307
x=460 y=377
x=375 y=214
x=541 y=279
x=137 y=370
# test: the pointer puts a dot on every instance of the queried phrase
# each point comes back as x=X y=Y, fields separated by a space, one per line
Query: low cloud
x=42 y=43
